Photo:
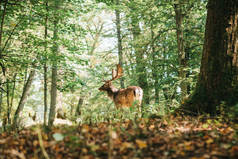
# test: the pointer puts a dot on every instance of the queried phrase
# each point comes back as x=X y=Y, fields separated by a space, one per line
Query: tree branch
x=10 y=35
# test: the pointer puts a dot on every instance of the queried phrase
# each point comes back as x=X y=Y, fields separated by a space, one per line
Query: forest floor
x=164 y=138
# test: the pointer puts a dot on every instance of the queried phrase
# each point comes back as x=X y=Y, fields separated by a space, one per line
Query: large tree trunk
x=119 y=44
x=54 y=67
x=24 y=96
x=219 y=68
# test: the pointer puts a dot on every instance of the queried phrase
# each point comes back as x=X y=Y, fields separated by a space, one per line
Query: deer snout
x=101 y=88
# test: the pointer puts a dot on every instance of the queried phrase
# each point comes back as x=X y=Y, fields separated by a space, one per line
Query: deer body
x=122 y=97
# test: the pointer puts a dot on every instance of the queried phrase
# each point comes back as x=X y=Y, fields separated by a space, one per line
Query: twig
x=13 y=30
x=41 y=143
x=110 y=141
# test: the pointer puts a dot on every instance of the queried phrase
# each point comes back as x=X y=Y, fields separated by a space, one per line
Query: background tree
x=45 y=64
x=55 y=50
x=88 y=47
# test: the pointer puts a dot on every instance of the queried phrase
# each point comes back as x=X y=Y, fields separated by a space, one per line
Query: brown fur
x=122 y=97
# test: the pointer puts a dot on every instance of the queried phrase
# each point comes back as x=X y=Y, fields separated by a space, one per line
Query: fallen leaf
x=16 y=153
x=3 y=141
x=113 y=134
x=209 y=141
x=126 y=145
x=141 y=144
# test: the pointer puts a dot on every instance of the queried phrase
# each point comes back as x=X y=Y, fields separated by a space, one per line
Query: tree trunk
x=23 y=99
x=8 y=102
x=154 y=67
x=156 y=79
x=140 y=59
x=140 y=63
x=181 y=53
x=45 y=66
x=119 y=43
x=1 y=97
x=80 y=103
x=187 y=57
x=13 y=90
x=2 y=23
x=45 y=94
x=219 y=68
x=54 y=67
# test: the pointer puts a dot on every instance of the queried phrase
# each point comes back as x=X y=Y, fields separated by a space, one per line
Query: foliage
x=87 y=52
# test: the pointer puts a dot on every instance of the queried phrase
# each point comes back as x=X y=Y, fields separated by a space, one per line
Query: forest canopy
x=68 y=48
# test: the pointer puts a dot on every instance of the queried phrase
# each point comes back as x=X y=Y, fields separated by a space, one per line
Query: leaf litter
x=165 y=138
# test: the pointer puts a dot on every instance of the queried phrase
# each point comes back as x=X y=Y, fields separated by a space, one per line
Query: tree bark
x=23 y=99
x=1 y=35
x=55 y=50
x=10 y=97
x=2 y=23
x=140 y=62
x=119 y=41
x=1 y=97
x=154 y=67
x=218 y=80
x=13 y=91
x=181 y=53
x=8 y=102
x=45 y=66
x=79 y=105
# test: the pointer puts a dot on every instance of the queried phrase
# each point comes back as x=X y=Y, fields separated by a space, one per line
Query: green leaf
x=58 y=136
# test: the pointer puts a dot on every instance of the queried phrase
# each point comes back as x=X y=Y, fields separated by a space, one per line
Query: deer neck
x=111 y=91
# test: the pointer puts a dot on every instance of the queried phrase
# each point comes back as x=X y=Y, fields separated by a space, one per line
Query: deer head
x=122 y=97
x=108 y=84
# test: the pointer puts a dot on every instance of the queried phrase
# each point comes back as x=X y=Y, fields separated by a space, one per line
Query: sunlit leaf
x=58 y=137
x=141 y=144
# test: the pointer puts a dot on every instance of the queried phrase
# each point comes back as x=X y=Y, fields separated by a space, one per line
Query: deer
x=122 y=97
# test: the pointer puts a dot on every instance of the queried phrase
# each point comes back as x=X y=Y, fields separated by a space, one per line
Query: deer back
x=127 y=97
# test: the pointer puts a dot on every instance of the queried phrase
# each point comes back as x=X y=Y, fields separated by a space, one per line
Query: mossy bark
x=25 y=94
x=218 y=80
x=179 y=16
x=119 y=41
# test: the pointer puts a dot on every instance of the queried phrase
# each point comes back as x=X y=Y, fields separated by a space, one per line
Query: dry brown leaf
x=126 y=145
x=141 y=144
x=16 y=153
